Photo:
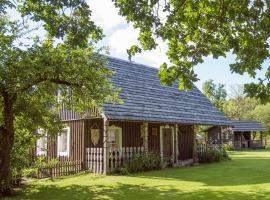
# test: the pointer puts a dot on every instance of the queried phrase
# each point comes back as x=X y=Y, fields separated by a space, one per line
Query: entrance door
x=167 y=144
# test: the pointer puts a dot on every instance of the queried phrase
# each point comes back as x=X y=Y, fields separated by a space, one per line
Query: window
x=115 y=137
x=63 y=142
x=41 y=142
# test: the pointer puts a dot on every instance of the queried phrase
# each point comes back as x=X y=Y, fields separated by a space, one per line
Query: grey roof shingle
x=146 y=100
x=247 y=126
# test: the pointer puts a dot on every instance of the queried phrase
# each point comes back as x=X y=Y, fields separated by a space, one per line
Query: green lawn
x=246 y=176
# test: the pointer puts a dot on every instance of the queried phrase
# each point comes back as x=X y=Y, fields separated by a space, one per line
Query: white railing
x=94 y=160
x=117 y=157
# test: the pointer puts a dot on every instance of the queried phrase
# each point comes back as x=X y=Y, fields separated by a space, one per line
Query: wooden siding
x=154 y=140
x=212 y=133
x=89 y=123
x=66 y=114
x=131 y=133
x=76 y=148
x=80 y=138
x=185 y=142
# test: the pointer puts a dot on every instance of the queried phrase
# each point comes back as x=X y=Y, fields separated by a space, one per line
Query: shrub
x=210 y=156
x=143 y=162
x=30 y=173
x=40 y=162
x=228 y=147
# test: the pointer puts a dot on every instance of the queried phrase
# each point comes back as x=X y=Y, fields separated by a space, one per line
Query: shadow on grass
x=192 y=183
x=128 y=191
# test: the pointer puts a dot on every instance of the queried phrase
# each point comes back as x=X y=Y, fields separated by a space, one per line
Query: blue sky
x=120 y=36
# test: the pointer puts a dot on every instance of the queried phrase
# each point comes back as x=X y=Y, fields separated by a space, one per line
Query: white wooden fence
x=94 y=160
x=202 y=148
x=117 y=157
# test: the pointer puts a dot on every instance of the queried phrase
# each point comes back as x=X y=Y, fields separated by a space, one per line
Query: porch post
x=195 y=156
x=221 y=136
x=261 y=137
x=105 y=146
x=145 y=136
x=176 y=144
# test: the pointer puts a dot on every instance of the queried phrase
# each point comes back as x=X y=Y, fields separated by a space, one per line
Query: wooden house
x=242 y=134
x=153 y=118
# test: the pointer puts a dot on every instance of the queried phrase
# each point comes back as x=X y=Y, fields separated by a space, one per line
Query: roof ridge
x=130 y=62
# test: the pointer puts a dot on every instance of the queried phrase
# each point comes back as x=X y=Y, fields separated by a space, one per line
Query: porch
x=248 y=139
x=116 y=142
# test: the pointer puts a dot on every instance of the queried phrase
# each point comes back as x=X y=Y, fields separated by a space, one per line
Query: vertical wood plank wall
x=91 y=123
x=131 y=133
x=185 y=142
x=81 y=138
x=213 y=132
x=76 y=149
x=154 y=140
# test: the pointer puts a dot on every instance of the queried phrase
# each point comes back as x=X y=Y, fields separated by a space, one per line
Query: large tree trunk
x=6 y=143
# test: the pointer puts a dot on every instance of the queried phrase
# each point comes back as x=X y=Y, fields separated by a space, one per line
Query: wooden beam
x=105 y=146
x=145 y=136
x=195 y=156
x=261 y=137
x=176 y=144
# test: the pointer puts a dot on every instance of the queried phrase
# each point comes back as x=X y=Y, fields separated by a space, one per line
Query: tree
x=261 y=113
x=215 y=92
x=33 y=68
x=239 y=106
x=196 y=29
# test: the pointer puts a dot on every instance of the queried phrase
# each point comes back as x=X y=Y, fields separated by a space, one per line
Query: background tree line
x=236 y=104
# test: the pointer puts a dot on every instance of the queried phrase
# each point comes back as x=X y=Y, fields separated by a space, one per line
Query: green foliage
x=30 y=172
x=262 y=114
x=211 y=156
x=215 y=92
x=39 y=162
x=228 y=147
x=34 y=67
x=240 y=107
x=194 y=30
x=143 y=162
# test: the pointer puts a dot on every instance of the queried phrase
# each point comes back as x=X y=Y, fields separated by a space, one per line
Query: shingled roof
x=247 y=126
x=146 y=100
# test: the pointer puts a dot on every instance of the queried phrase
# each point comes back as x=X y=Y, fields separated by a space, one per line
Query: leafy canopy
x=34 y=68
x=200 y=28
x=215 y=92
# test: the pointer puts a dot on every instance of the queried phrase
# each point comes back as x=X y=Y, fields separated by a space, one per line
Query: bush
x=40 y=162
x=228 y=147
x=30 y=173
x=144 y=162
x=210 y=156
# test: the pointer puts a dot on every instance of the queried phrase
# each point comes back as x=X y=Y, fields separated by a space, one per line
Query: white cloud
x=122 y=39
x=120 y=35
x=105 y=14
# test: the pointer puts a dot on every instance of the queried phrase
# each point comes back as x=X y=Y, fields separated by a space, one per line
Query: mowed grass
x=246 y=176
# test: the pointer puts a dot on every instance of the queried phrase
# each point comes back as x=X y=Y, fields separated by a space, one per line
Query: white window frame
x=64 y=153
x=39 y=150
x=161 y=140
x=115 y=128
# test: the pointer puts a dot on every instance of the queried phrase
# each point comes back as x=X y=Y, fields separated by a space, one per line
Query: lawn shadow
x=128 y=191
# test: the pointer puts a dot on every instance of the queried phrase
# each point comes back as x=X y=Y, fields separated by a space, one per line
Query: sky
x=120 y=36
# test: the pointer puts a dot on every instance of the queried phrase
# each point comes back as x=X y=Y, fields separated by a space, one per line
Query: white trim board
x=161 y=140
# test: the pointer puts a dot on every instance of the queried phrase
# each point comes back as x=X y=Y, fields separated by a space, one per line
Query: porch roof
x=146 y=100
x=247 y=126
